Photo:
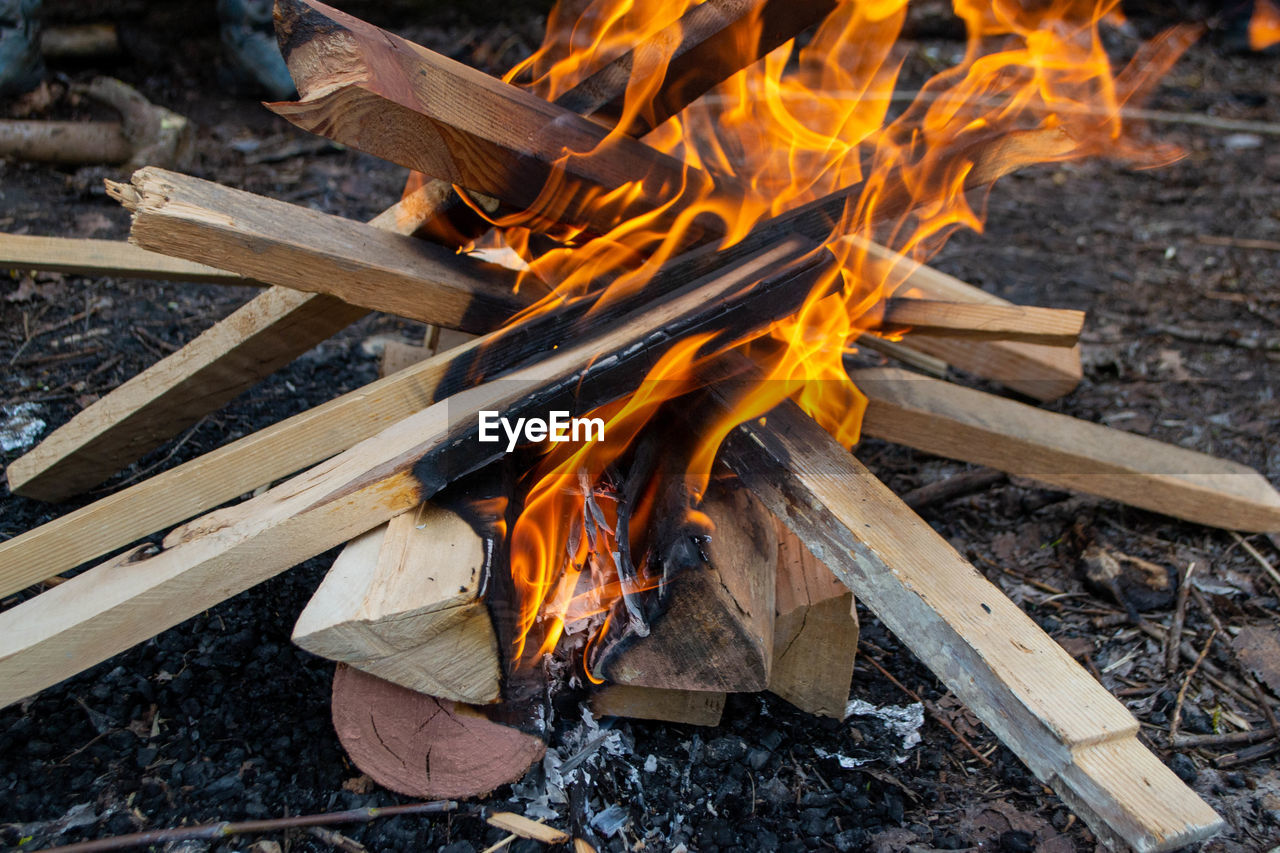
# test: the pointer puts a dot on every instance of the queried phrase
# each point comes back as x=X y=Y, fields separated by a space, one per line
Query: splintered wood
x=423 y=692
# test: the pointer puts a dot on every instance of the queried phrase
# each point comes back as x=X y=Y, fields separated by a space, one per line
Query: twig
x=1173 y=639
x=1246 y=755
x=1257 y=556
x=337 y=840
x=933 y=711
x=1182 y=693
x=224 y=829
x=1229 y=338
x=1243 y=671
x=964 y=483
x=1225 y=739
x=1239 y=242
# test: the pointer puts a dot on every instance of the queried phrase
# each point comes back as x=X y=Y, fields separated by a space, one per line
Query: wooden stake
x=404 y=602
x=114 y=258
x=312 y=251
x=172 y=395
x=962 y=423
x=717 y=633
x=1071 y=733
x=976 y=321
x=815 y=634
x=97 y=614
x=689 y=707
x=254 y=341
x=421 y=746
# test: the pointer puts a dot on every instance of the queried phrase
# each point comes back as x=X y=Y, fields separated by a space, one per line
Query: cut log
x=425 y=747
x=96 y=614
x=404 y=602
x=253 y=341
x=690 y=707
x=976 y=321
x=65 y=143
x=815 y=633
x=113 y=258
x=1070 y=732
x=312 y=251
x=717 y=632
x=973 y=426
x=160 y=402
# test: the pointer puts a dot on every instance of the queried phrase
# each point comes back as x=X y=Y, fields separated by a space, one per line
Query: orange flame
x=1264 y=26
x=1034 y=86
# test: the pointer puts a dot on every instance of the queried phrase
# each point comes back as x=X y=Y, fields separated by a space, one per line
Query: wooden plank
x=381 y=94
x=404 y=602
x=717 y=631
x=173 y=394
x=96 y=614
x=288 y=446
x=254 y=341
x=1071 y=733
x=815 y=633
x=1044 y=373
x=973 y=426
x=113 y=258
x=308 y=250
x=1052 y=327
x=710 y=43
x=689 y=707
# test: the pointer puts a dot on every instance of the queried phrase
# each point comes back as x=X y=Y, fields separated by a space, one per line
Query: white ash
x=19 y=426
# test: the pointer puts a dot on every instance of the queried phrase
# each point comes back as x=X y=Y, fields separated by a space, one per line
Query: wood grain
x=312 y=251
x=113 y=258
x=717 y=631
x=404 y=602
x=1071 y=733
x=688 y=707
x=815 y=633
x=973 y=426
x=1052 y=327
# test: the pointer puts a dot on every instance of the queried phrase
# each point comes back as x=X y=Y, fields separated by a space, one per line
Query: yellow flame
x=1034 y=85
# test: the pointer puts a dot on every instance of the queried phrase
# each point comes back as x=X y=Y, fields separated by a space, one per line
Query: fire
x=1034 y=85
x=1264 y=26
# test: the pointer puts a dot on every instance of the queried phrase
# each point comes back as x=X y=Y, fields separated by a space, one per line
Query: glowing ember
x=1264 y=26
x=1033 y=86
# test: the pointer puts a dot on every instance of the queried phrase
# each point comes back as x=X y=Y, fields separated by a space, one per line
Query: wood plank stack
x=416 y=610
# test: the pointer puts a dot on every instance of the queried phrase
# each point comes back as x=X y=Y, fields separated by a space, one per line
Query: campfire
x=680 y=247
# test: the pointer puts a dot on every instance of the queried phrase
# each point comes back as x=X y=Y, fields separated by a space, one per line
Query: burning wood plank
x=97 y=614
x=962 y=423
x=815 y=634
x=82 y=256
x=717 y=631
x=426 y=747
x=1065 y=726
x=975 y=321
x=404 y=602
x=275 y=327
x=403 y=103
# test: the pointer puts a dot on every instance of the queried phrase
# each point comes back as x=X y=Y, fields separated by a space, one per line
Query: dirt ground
x=222 y=718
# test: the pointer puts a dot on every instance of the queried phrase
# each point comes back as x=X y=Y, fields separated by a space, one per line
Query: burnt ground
x=222 y=718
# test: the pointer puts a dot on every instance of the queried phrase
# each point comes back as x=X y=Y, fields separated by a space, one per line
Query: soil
x=222 y=717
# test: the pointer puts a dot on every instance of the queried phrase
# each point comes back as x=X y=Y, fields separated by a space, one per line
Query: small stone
x=1016 y=841
x=1184 y=768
